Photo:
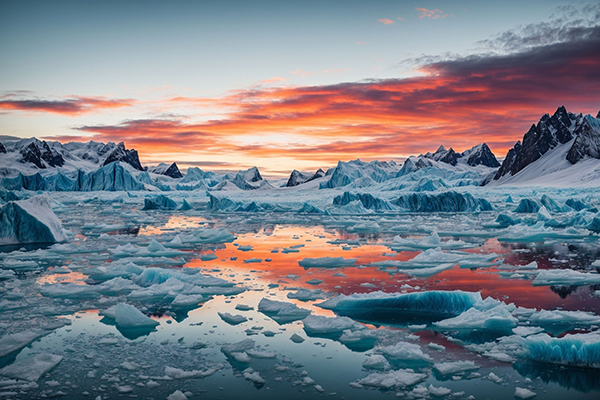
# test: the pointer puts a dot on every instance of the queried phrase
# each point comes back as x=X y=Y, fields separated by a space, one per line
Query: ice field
x=469 y=292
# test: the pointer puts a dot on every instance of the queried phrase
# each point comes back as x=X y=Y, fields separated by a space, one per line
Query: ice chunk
x=523 y=393
x=31 y=368
x=176 y=395
x=527 y=330
x=495 y=318
x=427 y=242
x=569 y=277
x=376 y=361
x=580 y=350
x=254 y=377
x=176 y=373
x=282 y=312
x=232 y=319
x=327 y=262
x=297 y=338
x=69 y=290
x=454 y=367
x=306 y=294
x=439 y=391
x=127 y=316
x=401 y=378
x=30 y=221
x=16 y=341
x=404 y=351
x=528 y=206
x=321 y=325
x=160 y=202
x=237 y=348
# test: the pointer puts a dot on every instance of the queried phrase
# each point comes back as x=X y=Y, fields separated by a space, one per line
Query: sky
x=293 y=84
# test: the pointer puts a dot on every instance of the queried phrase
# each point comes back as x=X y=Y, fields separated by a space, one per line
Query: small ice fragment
x=232 y=319
x=297 y=338
x=524 y=393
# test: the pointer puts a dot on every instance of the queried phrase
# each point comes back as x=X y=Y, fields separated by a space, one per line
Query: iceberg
x=160 y=202
x=443 y=202
x=403 y=307
x=579 y=350
x=528 y=206
x=368 y=201
x=498 y=318
x=30 y=221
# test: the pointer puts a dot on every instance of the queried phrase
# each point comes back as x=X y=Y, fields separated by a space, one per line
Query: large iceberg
x=581 y=349
x=403 y=307
x=450 y=201
x=30 y=221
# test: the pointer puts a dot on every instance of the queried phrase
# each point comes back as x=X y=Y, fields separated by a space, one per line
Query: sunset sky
x=293 y=84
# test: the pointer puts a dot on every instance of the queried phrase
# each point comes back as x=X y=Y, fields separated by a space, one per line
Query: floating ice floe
x=282 y=312
x=232 y=319
x=317 y=325
x=30 y=221
x=404 y=351
x=306 y=295
x=401 y=378
x=327 y=262
x=570 y=277
x=426 y=242
x=14 y=342
x=127 y=316
x=454 y=367
x=31 y=368
x=177 y=373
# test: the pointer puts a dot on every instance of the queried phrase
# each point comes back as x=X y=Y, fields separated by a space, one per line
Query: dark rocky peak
x=598 y=115
x=2 y=149
x=587 y=142
x=481 y=155
x=298 y=178
x=441 y=154
x=32 y=154
x=52 y=157
x=173 y=171
x=120 y=153
x=549 y=132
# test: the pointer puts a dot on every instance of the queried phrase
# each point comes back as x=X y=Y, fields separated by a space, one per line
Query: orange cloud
x=71 y=106
x=386 y=21
x=458 y=103
x=431 y=14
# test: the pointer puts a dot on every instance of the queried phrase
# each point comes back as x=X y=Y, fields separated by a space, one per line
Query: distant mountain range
x=561 y=149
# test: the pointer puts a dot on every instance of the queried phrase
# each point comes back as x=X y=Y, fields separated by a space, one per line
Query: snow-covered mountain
x=167 y=170
x=298 y=178
x=29 y=156
x=561 y=150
